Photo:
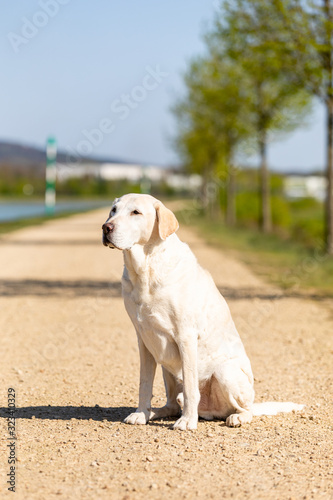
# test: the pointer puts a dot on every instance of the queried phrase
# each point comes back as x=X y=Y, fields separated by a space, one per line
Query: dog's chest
x=153 y=321
x=148 y=311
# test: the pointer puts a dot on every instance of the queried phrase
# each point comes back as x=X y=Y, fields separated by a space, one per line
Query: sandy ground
x=69 y=351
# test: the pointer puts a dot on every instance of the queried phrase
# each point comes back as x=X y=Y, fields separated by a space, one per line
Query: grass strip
x=278 y=260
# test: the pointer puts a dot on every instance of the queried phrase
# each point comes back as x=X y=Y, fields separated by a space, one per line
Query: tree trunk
x=204 y=195
x=213 y=208
x=329 y=174
x=329 y=137
x=231 y=196
x=265 y=195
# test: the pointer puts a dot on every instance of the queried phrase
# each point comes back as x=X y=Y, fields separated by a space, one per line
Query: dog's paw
x=180 y=399
x=186 y=423
x=165 y=411
x=237 y=419
x=136 y=418
x=233 y=421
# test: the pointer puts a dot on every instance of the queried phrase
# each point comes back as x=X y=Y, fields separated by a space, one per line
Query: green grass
x=279 y=260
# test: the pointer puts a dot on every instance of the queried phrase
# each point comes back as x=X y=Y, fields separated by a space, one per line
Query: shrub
x=280 y=212
x=247 y=208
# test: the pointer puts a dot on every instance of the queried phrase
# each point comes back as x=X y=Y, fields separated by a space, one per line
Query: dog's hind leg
x=236 y=391
x=172 y=389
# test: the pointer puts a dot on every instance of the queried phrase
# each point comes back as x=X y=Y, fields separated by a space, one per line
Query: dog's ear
x=166 y=221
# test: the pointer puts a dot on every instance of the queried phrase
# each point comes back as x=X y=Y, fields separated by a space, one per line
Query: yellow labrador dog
x=181 y=321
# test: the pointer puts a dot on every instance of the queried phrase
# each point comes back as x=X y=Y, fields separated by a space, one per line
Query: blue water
x=10 y=211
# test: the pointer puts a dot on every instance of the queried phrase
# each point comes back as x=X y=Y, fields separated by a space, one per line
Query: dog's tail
x=273 y=408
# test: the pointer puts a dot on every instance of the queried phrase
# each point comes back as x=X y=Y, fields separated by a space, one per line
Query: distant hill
x=19 y=157
x=16 y=153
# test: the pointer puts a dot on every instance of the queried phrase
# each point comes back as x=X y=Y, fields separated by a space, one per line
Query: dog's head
x=137 y=219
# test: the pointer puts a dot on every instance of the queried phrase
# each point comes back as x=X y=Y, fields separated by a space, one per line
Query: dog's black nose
x=107 y=228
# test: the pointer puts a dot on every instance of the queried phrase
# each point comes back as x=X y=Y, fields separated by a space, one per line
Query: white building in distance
x=133 y=173
x=305 y=186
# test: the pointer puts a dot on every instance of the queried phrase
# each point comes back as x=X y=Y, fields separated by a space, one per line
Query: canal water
x=11 y=211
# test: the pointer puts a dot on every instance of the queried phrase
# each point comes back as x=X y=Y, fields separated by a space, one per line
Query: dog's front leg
x=189 y=357
x=147 y=374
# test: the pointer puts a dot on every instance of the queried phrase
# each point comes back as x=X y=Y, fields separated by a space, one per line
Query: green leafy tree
x=212 y=124
x=307 y=42
x=244 y=31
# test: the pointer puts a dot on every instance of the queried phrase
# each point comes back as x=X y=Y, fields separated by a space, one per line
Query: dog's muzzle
x=107 y=229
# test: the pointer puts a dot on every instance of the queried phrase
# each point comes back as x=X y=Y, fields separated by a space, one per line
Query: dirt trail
x=69 y=351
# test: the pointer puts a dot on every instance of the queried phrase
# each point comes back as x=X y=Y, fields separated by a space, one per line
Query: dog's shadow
x=96 y=413
x=99 y=413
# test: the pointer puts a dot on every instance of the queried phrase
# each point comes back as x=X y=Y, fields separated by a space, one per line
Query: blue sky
x=103 y=76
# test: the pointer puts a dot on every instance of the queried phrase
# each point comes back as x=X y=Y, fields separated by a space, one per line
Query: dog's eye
x=136 y=212
x=114 y=210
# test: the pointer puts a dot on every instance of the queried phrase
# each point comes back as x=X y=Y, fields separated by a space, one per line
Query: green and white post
x=145 y=182
x=50 y=174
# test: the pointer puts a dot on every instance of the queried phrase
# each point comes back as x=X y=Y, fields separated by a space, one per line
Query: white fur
x=273 y=408
x=182 y=322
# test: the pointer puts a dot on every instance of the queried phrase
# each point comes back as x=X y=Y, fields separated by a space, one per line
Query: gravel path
x=69 y=352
